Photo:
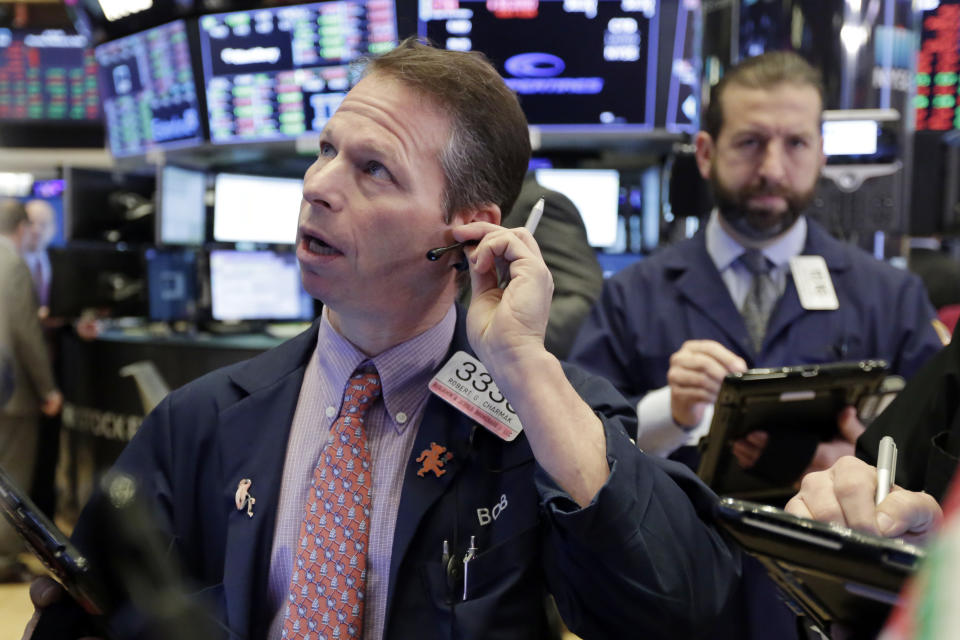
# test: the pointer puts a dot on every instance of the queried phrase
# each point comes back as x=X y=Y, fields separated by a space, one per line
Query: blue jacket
x=640 y=559
x=648 y=310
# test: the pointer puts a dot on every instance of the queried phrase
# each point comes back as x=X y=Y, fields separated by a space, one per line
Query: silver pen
x=471 y=553
x=886 y=467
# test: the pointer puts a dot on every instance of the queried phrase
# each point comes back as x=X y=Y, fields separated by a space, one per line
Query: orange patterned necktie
x=326 y=594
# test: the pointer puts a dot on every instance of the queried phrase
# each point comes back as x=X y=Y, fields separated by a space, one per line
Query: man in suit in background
x=34 y=390
x=43 y=226
x=562 y=238
x=262 y=476
x=668 y=329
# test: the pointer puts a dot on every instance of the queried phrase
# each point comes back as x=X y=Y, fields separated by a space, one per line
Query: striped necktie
x=761 y=298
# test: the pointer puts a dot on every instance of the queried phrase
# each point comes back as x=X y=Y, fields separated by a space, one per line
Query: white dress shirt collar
x=724 y=248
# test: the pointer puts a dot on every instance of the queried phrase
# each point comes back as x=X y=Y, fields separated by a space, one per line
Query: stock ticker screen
x=275 y=74
x=938 y=69
x=571 y=62
x=149 y=92
x=47 y=75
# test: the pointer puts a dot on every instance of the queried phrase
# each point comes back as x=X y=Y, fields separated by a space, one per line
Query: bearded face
x=761 y=210
x=766 y=158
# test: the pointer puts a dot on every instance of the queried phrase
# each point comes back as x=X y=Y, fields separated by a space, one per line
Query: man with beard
x=668 y=329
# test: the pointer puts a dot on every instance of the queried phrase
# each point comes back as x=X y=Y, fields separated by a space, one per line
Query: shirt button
x=401 y=417
x=331 y=411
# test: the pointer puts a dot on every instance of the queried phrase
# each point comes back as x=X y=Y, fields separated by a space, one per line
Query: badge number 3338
x=465 y=383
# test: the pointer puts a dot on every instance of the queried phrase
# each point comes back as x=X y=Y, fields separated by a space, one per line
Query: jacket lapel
x=253 y=437
x=711 y=308
x=788 y=308
x=444 y=425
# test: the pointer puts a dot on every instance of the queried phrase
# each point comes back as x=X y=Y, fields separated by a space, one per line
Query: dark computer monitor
x=182 y=206
x=258 y=209
x=573 y=64
x=257 y=285
x=108 y=206
x=596 y=194
x=150 y=96
x=96 y=277
x=48 y=90
x=278 y=73
x=171 y=284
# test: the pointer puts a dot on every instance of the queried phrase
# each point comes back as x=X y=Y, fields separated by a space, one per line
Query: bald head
x=43 y=225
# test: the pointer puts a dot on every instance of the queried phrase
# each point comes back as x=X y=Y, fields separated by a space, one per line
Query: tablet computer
x=53 y=548
x=830 y=573
x=797 y=407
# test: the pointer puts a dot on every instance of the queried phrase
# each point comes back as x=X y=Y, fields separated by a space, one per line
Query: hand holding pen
x=501 y=319
x=855 y=494
x=886 y=468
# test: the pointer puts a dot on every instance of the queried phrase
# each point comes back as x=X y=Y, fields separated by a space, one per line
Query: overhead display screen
x=47 y=75
x=938 y=68
x=149 y=92
x=571 y=62
x=274 y=74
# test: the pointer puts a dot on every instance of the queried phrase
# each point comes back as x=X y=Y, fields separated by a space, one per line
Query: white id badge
x=814 y=286
x=464 y=382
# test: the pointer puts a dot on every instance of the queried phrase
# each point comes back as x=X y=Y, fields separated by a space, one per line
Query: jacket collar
x=252 y=434
x=693 y=272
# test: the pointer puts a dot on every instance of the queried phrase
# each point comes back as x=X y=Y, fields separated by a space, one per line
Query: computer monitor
x=856 y=140
x=850 y=137
x=596 y=194
x=573 y=64
x=278 y=73
x=258 y=209
x=96 y=277
x=938 y=68
x=108 y=206
x=149 y=93
x=257 y=285
x=182 y=206
x=47 y=75
x=48 y=90
x=171 y=284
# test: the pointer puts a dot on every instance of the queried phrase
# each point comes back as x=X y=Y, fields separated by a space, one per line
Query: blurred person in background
x=34 y=391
